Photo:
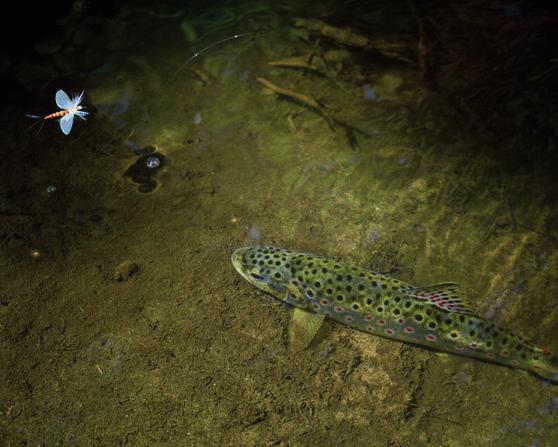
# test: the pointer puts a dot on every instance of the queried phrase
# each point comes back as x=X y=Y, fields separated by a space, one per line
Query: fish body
x=436 y=316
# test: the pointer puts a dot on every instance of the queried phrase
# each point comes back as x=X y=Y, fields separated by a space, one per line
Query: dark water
x=415 y=140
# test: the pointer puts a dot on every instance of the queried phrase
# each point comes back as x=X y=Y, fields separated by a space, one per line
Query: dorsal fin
x=445 y=296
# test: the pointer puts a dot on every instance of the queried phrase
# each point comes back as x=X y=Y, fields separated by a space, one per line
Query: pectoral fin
x=303 y=328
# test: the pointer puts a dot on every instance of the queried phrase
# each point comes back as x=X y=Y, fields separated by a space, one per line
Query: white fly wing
x=63 y=100
x=76 y=99
x=66 y=123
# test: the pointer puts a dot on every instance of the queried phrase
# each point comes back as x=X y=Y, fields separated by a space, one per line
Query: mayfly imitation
x=70 y=108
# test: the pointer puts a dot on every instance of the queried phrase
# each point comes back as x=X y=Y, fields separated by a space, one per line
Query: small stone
x=125 y=271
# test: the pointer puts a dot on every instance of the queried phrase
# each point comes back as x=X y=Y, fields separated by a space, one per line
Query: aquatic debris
x=435 y=316
x=395 y=49
x=306 y=100
x=197 y=118
x=70 y=108
x=304 y=62
x=369 y=94
x=152 y=162
x=50 y=189
x=136 y=149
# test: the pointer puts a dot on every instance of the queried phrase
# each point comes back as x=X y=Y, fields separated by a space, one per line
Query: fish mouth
x=237 y=259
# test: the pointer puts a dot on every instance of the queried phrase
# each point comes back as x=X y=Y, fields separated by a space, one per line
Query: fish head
x=265 y=268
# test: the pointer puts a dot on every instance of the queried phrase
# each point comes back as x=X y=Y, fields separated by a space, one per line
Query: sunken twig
x=306 y=100
x=346 y=36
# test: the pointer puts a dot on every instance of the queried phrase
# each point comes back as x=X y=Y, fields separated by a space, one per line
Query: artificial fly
x=70 y=108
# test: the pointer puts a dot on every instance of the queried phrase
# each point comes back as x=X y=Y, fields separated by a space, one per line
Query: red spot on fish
x=381 y=322
x=316 y=306
x=348 y=318
x=400 y=321
x=504 y=353
x=390 y=331
x=369 y=328
x=431 y=337
x=473 y=345
x=368 y=317
x=409 y=330
x=338 y=309
x=324 y=302
x=514 y=362
x=545 y=350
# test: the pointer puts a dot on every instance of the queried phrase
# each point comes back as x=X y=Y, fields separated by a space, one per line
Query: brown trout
x=436 y=316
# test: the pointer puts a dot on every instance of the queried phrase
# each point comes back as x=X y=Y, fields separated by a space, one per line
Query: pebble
x=125 y=271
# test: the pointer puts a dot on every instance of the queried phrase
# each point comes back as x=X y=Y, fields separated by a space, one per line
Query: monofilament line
x=203 y=50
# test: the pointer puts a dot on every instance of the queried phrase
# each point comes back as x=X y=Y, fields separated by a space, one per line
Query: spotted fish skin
x=436 y=316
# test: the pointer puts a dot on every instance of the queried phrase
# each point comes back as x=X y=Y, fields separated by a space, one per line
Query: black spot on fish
x=397 y=299
x=329 y=291
x=349 y=278
x=472 y=333
x=317 y=285
x=261 y=263
x=277 y=263
x=453 y=335
x=339 y=298
x=504 y=341
x=309 y=292
x=380 y=309
x=374 y=284
x=462 y=319
x=361 y=287
x=324 y=270
x=369 y=301
x=432 y=325
x=386 y=302
x=277 y=275
x=407 y=304
x=396 y=311
x=448 y=321
x=418 y=317
x=356 y=306
x=428 y=311
x=384 y=286
x=488 y=344
x=300 y=278
x=349 y=288
x=338 y=277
